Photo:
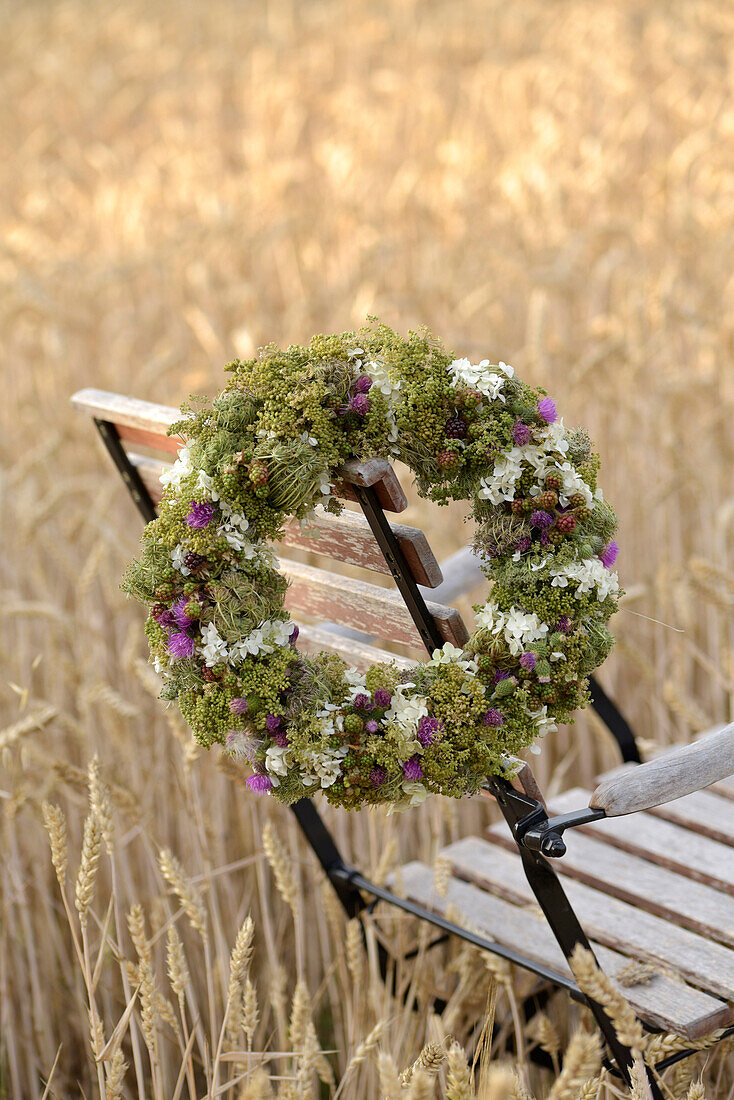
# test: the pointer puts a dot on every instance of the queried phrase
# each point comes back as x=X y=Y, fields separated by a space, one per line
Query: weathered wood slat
x=669 y=776
x=128 y=412
x=691 y=855
x=645 y=885
x=377 y=611
x=703 y=811
x=314 y=639
x=377 y=474
x=348 y=538
x=145 y=423
x=616 y=924
x=661 y=1002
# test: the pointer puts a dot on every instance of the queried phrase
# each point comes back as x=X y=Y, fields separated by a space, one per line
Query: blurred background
x=547 y=184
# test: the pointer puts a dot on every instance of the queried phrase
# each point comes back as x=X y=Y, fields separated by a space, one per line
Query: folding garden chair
x=655 y=889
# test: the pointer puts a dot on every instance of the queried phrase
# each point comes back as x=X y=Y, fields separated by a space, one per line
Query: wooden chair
x=655 y=889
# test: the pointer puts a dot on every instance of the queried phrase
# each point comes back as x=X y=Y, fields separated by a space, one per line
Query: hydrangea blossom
x=588 y=575
x=180 y=470
x=518 y=628
x=480 y=377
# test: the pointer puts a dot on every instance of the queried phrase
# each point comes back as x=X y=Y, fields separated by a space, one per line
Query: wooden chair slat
x=614 y=923
x=348 y=538
x=691 y=855
x=376 y=611
x=645 y=885
x=314 y=639
x=662 y=1001
x=703 y=811
x=376 y=474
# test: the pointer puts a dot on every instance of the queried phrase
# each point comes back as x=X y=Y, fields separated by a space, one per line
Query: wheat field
x=549 y=184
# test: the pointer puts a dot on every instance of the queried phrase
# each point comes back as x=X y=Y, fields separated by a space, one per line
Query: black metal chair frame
x=538 y=837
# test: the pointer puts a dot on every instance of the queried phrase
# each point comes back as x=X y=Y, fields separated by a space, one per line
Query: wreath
x=265 y=450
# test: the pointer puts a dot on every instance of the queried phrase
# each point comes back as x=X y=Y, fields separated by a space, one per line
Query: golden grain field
x=550 y=184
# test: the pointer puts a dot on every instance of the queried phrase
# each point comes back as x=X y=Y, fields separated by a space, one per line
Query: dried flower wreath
x=264 y=451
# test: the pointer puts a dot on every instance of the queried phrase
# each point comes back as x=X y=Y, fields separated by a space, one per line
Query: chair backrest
x=140 y=427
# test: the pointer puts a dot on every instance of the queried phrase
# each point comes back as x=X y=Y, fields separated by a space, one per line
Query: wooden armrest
x=668 y=777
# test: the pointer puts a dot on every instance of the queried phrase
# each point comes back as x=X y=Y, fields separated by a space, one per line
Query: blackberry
x=517 y=506
x=194 y=562
x=553 y=481
x=455 y=428
x=547 y=500
x=209 y=674
x=578 y=500
x=446 y=459
x=258 y=472
x=566 y=523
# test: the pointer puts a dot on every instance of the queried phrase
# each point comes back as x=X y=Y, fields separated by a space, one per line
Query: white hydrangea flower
x=448 y=653
x=588 y=575
x=505 y=476
x=178 y=555
x=277 y=759
x=518 y=628
x=356 y=680
x=381 y=379
x=324 y=768
x=310 y=439
x=407 y=710
x=214 y=651
x=206 y=483
x=415 y=793
x=479 y=377
x=180 y=469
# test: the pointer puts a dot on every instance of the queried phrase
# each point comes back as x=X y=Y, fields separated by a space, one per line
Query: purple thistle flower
x=521 y=433
x=529 y=661
x=608 y=555
x=412 y=769
x=541 y=519
x=200 y=515
x=183 y=622
x=500 y=674
x=363 y=384
x=383 y=698
x=378 y=776
x=166 y=619
x=564 y=625
x=494 y=717
x=239 y=706
x=259 y=783
x=362 y=701
x=544 y=538
x=280 y=738
x=181 y=645
x=359 y=404
x=547 y=410
x=272 y=723
x=428 y=728
x=372 y=726
x=524 y=544
x=294 y=635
